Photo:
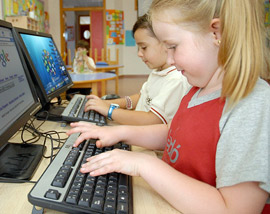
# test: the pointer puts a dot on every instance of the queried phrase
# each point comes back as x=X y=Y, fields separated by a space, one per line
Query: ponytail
x=243 y=48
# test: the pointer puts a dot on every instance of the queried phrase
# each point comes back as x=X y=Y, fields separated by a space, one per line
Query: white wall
x=1 y=10
x=128 y=55
x=70 y=21
x=54 y=17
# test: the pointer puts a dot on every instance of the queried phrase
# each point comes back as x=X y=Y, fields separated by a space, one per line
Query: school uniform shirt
x=162 y=93
x=80 y=65
x=222 y=148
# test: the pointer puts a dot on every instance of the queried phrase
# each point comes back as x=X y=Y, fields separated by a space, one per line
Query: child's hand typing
x=120 y=161
x=97 y=104
x=107 y=136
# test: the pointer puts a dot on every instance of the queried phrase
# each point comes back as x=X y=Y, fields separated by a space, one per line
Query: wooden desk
x=113 y=68
x=14 y=200
x=91 y=80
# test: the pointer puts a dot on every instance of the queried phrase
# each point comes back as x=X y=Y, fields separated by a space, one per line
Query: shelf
x=23 y=22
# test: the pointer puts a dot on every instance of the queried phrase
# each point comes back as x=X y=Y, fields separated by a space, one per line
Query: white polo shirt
x=162 y=93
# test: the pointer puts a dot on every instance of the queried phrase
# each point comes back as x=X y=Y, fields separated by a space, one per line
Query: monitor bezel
x=32 y=110
x=44 y=97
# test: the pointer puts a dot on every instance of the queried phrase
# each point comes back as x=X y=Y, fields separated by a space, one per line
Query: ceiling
x=82 y=3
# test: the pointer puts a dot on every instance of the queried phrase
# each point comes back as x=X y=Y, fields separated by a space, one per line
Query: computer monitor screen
x=49 y=71
x=18 y=98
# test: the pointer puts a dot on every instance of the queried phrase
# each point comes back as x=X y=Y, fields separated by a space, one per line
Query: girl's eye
x=171 y=47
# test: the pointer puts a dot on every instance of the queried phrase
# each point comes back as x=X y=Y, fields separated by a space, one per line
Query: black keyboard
x=75 y=112
x=64 y=188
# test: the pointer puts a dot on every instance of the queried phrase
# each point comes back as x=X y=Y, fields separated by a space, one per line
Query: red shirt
x=193 y=137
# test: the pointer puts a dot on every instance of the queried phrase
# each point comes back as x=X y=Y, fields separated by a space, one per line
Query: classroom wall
x=1 y=10
x=54 y=17
x=133 y=65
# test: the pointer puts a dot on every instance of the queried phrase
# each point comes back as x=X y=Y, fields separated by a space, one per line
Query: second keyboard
x=75 y=112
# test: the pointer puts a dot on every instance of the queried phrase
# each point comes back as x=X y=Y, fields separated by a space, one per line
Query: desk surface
x=100 y=67
x=14 y=200
x=80 y=77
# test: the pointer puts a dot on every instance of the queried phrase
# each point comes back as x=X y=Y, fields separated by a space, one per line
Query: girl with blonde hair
x=217 y=147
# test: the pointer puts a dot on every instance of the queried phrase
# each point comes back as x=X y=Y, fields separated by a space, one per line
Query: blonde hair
x=242 y=53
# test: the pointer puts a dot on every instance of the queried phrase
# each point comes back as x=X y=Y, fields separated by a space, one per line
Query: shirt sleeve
x=166 y=103
x=243 y=152
x=91 y=62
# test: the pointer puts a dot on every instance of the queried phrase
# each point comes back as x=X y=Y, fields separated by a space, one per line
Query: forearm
x=120 y=101
x=90 y=66
x=150 y=137
x=131 y=117
x=189 y=195
x=184 y=193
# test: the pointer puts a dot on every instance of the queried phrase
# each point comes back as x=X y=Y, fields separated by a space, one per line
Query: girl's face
x=194 y=54
x=81 y=49
x=150 y=50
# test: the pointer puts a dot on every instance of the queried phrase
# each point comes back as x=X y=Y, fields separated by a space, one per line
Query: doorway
x=82 y=23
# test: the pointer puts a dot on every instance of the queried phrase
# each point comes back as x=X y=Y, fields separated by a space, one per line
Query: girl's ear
x=215 y=29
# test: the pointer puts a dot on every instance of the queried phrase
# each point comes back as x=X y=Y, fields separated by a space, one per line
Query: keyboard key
x=109 y=207
x=52 y=194
x=122 y=208
x=122 y=190
x=75 y=190
x=58 y=182
x=99 y=193
x=123 y=180
x=123 y=198
x=97 y=203
x=88 y=190
x=85 y=200
x=111 y=192
x=72 y=198
x=86 y=115
x=110 y=198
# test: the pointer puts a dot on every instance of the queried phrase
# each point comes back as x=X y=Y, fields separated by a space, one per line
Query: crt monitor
x=48 y=70
x=18 y=103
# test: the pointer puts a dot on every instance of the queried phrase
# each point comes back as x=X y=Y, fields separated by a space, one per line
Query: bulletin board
x=23 y=7
x=267 y=13
x=115 y=34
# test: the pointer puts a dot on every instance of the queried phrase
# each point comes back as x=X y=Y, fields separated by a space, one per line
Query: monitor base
x=53 y=114
x=18 y=161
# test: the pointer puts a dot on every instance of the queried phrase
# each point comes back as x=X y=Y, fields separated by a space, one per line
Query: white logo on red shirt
x=172 y=152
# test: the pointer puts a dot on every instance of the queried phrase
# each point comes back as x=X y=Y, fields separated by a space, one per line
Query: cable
x=15 y=180
x=37 y=134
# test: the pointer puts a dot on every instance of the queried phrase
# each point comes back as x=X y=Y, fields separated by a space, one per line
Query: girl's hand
x=97 y=104
x=106 y=135
x=120 y=161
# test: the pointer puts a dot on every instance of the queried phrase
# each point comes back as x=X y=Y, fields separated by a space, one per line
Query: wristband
x=112 y=107
x=128 y=102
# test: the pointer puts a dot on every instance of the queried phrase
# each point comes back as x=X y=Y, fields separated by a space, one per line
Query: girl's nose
x=170 y=59
x=140 y=54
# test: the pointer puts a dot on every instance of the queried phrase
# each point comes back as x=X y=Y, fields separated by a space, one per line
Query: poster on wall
x=115 y=33
x=267 y=13
x=31 y=8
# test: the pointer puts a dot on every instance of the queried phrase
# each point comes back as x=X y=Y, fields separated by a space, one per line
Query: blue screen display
x=47 y=62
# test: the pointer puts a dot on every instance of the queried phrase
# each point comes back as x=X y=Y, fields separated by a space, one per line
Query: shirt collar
x=164 y=72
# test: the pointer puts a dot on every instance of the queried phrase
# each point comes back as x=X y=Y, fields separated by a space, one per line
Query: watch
x=112 y=107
